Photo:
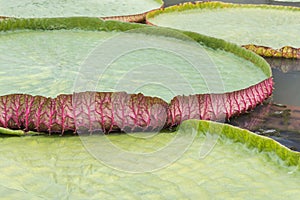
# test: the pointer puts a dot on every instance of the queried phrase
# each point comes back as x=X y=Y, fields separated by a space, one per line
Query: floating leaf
x=91 y=8
x=264 y=29
x=53 y=56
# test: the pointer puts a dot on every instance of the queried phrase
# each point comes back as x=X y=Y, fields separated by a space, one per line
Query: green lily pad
x=62 y=168
x=48 y=57
x=69 y=8
x=168 y=63
x=259 y=25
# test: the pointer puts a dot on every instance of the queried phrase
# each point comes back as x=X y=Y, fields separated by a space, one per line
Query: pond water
x=286 y=74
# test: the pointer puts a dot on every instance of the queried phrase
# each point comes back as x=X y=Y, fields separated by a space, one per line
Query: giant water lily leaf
x=238 y=165
x=47 y=62
x=52 y=59
x=267 y=30
x=49 y=57
x=92 y=8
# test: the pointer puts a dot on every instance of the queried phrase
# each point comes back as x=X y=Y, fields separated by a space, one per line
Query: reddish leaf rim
x=107 y=111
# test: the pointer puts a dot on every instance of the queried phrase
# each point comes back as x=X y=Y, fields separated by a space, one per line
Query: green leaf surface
x=238 y=165
x=69 y=8
x=48 y=57
x=264 y=25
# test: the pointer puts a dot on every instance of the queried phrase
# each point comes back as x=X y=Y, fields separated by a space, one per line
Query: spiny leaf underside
x=119 y=111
